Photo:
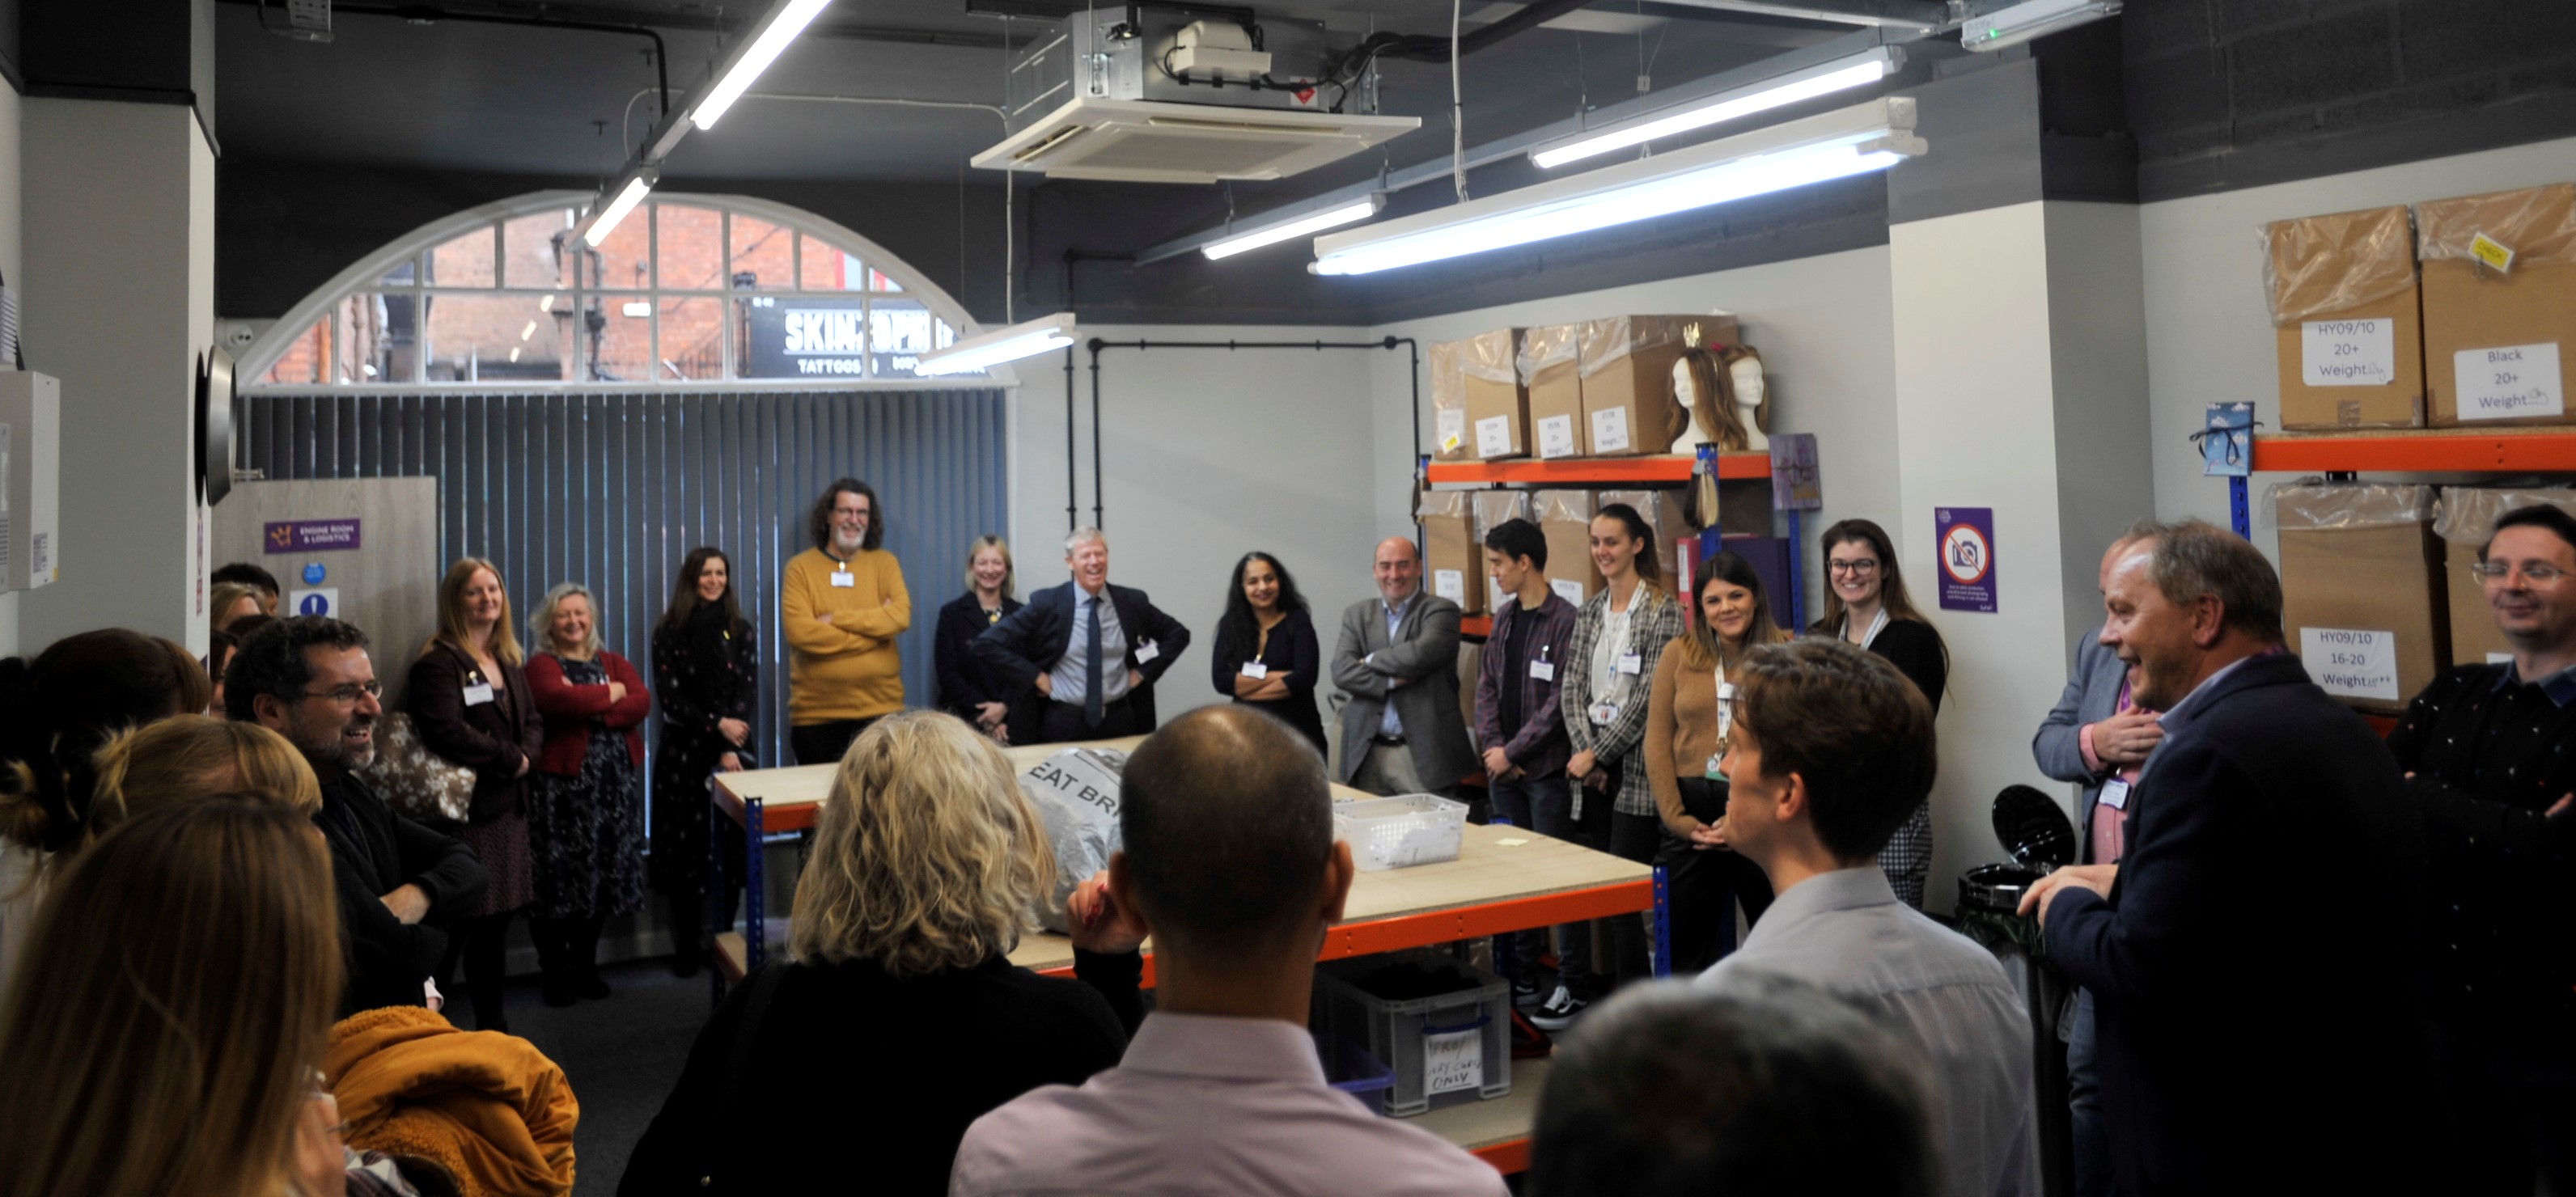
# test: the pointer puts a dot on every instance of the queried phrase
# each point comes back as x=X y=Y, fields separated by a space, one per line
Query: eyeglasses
x=1862 y=567
x=349 y=695
x=2536 y=574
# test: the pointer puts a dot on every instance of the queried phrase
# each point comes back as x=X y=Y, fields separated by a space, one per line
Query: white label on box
x=1494 y=436
x=2509 y=382
x=1453 y=429
x=2352 y=664
x=1556 y=436
x=1571 y=591
x=2348 y=353
x=1453 y=1061
x=1610 y=430
x=1449 y=584
x=2499 y=658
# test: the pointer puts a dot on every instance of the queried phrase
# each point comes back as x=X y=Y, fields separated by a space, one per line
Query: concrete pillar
x=2020 y=386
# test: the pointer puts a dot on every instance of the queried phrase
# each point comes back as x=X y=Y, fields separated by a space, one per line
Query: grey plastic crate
x=1458 y=1042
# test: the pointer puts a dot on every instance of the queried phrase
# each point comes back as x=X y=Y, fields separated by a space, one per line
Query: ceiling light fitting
x=1295 y=227
x=1002 y=345
x=2022 y=22
x=785 y=20
x=606 y=220
x=1842 y=74
x=1834 y=145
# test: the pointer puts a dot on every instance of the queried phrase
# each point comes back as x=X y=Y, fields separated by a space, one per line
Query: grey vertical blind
x=614 y=490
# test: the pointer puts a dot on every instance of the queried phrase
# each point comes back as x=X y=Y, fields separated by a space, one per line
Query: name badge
x=2115 y=794
x=1605 y=712
x=1543 y=671
x=1711 y=771
x=1148 y=651
x=478 y=694
x=841 y=580
x=1631 y=663
x=1251 y=669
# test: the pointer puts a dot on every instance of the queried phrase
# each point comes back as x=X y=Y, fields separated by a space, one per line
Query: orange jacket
x=489 y=1107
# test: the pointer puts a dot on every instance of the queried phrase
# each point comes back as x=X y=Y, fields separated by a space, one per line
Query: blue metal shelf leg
x=2238 y=512
x=755 y=929
x=1663 y=923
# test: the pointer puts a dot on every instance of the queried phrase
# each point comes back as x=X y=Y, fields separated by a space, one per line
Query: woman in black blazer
x=967 y=688
x=1866 y=604
x=471 y=705
x=898 y=968
x=706 y=670
x=1266 y=656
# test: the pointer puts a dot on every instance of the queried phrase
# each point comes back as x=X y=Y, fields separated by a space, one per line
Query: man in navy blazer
x=2253 y=1036
x=2095 y=736
x=1042 y=654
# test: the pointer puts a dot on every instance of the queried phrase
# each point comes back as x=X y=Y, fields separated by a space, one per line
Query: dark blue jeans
x=1542 y=805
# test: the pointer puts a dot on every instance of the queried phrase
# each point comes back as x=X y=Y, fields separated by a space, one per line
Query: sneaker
x=1525 y=991
x=1558 y=1011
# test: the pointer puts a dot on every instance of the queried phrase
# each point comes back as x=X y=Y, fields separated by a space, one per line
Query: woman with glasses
x=1866 y=604
x=586 y=809
x=471 y=705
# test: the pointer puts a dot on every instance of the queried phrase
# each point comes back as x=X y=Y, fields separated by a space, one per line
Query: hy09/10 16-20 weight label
x=2350 y=663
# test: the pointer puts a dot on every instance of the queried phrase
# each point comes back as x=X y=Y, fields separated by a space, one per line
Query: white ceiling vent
x=1146 y=141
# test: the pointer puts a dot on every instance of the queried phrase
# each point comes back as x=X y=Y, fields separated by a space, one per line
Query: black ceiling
x=455 y=95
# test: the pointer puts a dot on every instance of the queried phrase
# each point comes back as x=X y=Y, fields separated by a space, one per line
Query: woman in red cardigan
x=586 y=809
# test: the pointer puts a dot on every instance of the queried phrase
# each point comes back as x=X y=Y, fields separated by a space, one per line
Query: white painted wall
x=1209 y=454
x=1823 y=325
x=2209 y=337
x=120 y=274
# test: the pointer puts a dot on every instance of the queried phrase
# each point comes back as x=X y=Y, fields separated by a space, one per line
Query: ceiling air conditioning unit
x=1152 y=98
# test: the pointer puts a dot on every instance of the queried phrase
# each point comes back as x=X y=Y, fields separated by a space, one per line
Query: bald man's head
x=1227 y=823
x=1398 y=568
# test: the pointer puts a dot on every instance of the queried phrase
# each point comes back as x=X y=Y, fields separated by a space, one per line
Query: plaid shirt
x=1654 y=619
x=1540 y=746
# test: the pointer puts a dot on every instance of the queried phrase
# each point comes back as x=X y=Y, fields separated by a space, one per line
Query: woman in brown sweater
x=1687 y=727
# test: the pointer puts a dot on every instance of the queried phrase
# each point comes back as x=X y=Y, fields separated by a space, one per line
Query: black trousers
x=1705 y=886
x=482 y=945
x=1065 y=724
x=823 y=743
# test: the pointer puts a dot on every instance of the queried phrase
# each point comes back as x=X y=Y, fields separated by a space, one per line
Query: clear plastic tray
x=1408 y=829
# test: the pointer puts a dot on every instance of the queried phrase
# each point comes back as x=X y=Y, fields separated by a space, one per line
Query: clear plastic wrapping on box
x=2316 y=505
x=2537 y=223
x=1564 y=506
x=1494 y=508
x=1436 y=503
x=1449 y=400
x=1548 y=345
x=2319 y=264
x=1491 y=356
x=1606 y=341
x=2467 y=514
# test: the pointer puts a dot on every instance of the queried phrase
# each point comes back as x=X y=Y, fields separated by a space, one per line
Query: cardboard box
x=1497 y=404
x=2464 y=517
x=1452 y=555
x=2362 y=598
x=1493 y=508
x=1548 y=372
x=2348 y=319
x=1451 y=439
x=1565 y=516
x=2496 y=340
x=1662 y=509
x=1627 y=368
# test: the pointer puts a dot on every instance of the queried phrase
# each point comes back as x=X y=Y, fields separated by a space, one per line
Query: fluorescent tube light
x=1331 y=218
x=1859 y=70
x=2022 y=22
x=1002 y=345
x=1833 y=145
x=606 y=222
x=785 y=22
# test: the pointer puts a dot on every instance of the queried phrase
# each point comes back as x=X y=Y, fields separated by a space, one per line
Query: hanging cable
x=1457 y=109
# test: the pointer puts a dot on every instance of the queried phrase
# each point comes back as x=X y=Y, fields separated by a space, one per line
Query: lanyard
x=1876 y=626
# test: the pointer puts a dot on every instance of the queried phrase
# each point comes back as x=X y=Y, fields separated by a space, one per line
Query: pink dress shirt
x=2110 y=835
x=1209 y=1105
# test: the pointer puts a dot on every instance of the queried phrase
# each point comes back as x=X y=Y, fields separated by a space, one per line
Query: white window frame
x=365 y=275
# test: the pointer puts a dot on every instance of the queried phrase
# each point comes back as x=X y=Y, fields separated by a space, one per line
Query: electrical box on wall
x=31 y=422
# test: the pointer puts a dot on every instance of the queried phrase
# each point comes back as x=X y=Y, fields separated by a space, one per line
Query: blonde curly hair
x=927 y=857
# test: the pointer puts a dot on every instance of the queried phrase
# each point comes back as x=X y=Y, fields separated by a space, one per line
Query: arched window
x=688 y=290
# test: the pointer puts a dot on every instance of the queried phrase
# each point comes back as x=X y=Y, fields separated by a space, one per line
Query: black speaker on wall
x=215 y=425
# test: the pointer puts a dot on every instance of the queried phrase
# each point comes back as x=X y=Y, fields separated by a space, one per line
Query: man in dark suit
x=308 y=678
x=1081 y=659
x=2097 y=737
x=1397 y=659
x=2250 y=1038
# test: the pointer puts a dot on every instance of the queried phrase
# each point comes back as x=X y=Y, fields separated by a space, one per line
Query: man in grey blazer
x=1398 y=662
x=2097 y=739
